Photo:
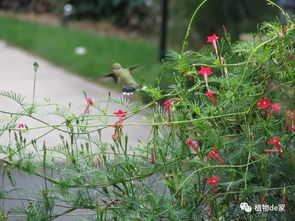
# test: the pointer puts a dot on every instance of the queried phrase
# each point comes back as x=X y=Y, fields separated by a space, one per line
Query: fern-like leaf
x=14 y=96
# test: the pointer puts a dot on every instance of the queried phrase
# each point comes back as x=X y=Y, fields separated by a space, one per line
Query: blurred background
x=86 y=37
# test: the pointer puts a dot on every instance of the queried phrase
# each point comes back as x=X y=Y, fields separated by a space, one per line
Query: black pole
x=163 y=30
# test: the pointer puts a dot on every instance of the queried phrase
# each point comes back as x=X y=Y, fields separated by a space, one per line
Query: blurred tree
x=38 y=6
x=236 y=15
x=121 y=12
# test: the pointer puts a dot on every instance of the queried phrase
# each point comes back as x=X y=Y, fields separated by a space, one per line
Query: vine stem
x=103 y=126
x=257 y=190
x=215 y=166
x=245 y=69
x=271 y=3
x=184 y=44
x=247 y=64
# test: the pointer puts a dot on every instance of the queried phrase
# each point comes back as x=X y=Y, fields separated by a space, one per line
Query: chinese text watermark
x=262 y=207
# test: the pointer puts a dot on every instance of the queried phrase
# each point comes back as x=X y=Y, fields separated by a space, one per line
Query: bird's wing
x=111 y=74
x=132 y=68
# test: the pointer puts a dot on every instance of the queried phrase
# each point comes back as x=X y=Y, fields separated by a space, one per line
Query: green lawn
x=57 y=44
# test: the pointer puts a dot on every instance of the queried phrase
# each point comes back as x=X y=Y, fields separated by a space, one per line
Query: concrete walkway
x=62 y=87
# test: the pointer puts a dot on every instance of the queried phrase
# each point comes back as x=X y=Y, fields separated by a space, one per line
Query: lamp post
x=163 y=29
x=68 y=10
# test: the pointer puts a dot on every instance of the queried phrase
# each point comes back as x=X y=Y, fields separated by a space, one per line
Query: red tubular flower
x=118 y=125
x=264 y=103
x=89 y=103
x=214 y=154
x=153 y=157
x=22 y=126
x=205 y=71
x=275 y=141
x=191 y=143
x=213 y=181
x=270 y=151
x=121 y=114
x=211 y=94
x=116 y=136
x=212 y=39
x=275 y=107
x=293 y=129
x=168 y=105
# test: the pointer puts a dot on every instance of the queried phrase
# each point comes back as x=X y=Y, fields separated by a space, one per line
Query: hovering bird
x=124 y=77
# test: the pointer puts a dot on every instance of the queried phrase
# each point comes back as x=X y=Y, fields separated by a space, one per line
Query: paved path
x=62 y=87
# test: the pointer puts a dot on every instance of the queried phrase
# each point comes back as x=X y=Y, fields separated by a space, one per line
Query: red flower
x=153 y=157
x=89 y=103
x=205 y=71
x=121 y=114
x=168 y=105
x=190 y=142
x=118 y=125
x=264 y=103
x=214 y=154
x=22 y=126
x=212 y=39
x=275 y=141
x=211 y=94
x=213 y=181
x=275 y=107
x=293 y=129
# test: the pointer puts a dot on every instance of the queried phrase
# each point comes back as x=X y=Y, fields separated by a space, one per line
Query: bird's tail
x=130 y=91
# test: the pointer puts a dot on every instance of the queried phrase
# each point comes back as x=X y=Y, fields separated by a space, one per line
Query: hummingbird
x=124 y=77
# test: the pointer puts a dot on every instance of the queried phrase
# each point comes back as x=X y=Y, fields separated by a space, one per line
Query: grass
x=57 y=44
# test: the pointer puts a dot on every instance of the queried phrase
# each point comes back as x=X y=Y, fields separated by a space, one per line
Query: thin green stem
x=214 y=166
x=184 y=44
